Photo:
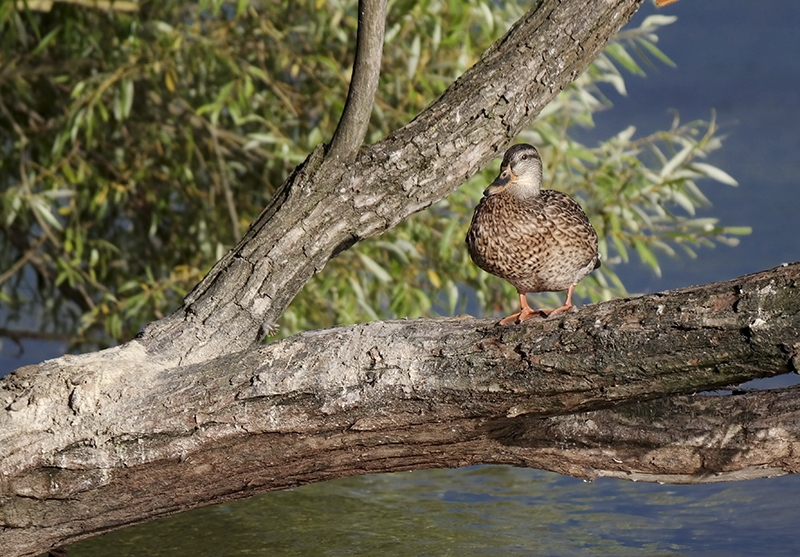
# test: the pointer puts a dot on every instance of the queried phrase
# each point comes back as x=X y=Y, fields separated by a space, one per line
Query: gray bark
x=196 y=412
x=353 y=125
x=96 y=442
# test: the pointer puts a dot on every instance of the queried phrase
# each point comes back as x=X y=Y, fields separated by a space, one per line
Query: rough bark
x=353 y=125
x=96 y=442
x=196 y=412
x=326 y=207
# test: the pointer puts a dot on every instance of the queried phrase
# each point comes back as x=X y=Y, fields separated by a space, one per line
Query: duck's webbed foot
x=524 y=313
x=567 y=305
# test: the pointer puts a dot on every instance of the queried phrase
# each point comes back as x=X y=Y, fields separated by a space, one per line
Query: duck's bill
x=500 y=183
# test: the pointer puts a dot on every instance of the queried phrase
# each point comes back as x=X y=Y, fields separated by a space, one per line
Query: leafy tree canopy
x=136 y=146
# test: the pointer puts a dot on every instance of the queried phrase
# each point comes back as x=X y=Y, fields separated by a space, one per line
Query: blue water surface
x=482 y=510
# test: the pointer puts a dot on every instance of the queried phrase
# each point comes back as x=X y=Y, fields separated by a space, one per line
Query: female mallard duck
x=538 y=240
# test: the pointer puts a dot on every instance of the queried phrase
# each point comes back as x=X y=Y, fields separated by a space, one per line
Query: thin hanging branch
x=352 y=128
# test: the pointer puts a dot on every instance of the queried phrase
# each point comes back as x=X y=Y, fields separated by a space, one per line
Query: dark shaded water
x=738 y=57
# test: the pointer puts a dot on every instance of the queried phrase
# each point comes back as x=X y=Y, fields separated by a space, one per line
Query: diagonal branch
x=326 y=206
x=352 y=128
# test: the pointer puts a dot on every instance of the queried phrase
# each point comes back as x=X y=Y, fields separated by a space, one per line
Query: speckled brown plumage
x=538 y=240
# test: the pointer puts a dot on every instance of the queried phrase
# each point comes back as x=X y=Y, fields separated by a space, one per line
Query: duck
x=538 y=240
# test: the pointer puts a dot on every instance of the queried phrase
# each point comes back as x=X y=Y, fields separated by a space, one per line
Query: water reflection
x=482 y=510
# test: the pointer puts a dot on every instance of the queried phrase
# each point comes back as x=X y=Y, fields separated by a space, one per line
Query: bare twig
x=27 y=256
x=225 y=184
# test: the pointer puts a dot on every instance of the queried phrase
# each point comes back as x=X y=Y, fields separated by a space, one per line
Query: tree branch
x=95 y=442
x=326 y=207
x=196 y=412
x=352 y=128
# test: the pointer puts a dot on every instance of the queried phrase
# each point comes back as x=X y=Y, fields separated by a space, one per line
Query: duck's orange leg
x=524 y=313
x=567 y=305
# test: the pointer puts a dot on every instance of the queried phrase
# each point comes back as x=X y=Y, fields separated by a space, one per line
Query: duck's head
x=520 y=173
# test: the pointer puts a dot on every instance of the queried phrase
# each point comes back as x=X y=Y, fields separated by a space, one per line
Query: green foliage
x=641 y=195
x=136 y=148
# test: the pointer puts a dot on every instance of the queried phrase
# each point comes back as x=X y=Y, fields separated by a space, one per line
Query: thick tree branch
x=353 y=125
x=679 y=440
x=326 y=207
x=95 y=442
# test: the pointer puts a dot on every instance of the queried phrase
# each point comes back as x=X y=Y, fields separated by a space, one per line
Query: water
x=482 y=510
x=738 y=57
